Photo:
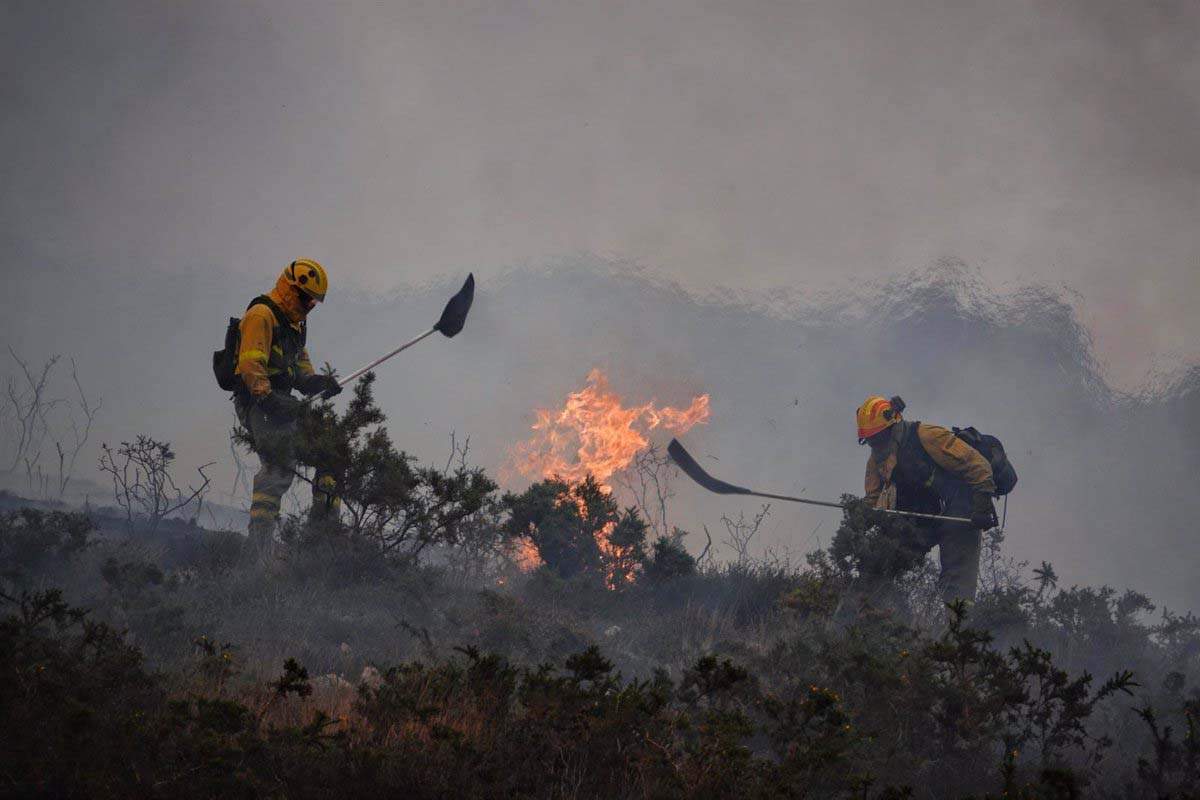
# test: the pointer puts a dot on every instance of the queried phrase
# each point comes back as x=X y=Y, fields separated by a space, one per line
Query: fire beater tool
x=454 y=316
x=694 y=471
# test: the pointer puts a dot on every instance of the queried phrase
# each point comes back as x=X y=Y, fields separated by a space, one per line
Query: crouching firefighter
x=272 y=361
x=915 y=466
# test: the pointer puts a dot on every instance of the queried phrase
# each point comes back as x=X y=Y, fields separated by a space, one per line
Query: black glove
x=281 y=406
x=325 y=385
x=983 y=513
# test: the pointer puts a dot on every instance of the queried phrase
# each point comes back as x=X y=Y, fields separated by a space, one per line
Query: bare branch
x=194 y=493
x=707 y=547
x=66 y=466
x=29 y=407
x=457 y=459
x=647 y=480
x=240 y=481
x=141 y=477
x=740 y=532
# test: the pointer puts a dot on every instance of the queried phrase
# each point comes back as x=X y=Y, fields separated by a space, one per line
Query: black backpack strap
x=916 y=478
x=281 y=317
x=912 y=450
x=264 y=300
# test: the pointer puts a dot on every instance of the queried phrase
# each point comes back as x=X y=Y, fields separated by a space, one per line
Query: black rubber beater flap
x=685 y=462
x=454 y=316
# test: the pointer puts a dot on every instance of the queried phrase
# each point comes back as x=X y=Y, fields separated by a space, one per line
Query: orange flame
x=612 y=552
x=594 y=434
x=525 y=555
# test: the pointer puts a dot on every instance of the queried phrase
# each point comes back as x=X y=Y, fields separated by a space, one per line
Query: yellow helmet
x=877 y=414
x=308 y=277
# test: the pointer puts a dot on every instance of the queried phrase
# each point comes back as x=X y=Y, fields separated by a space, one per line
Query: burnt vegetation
x=400 y=650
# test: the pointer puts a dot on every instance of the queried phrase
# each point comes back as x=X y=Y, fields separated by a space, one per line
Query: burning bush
x=575 y=451
x=579 y=529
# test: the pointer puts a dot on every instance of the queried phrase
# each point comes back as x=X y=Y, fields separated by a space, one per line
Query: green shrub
x=33 y=541
x=669 y=559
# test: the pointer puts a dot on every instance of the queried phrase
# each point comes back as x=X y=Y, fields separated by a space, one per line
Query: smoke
x=1106 y=492
x=755 y=143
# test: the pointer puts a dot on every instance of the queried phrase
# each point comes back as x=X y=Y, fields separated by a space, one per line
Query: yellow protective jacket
x=957 y=458
x=263 y=361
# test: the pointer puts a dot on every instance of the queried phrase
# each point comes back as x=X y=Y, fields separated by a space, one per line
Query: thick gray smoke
x=1106 y=492
x=755 y=143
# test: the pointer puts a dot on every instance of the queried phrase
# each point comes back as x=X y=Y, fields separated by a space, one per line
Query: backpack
x=224 y=361
x=990 y=448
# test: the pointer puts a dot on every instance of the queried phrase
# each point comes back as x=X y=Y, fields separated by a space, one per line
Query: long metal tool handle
x=697 y=473
x=360 y=372
x=450 y=324
x=308 y=401
x=915 y=515
x=827 y=504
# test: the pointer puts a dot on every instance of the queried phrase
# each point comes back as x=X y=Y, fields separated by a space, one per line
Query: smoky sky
x=764 y=164
x=739 y=145
x=1106 y=491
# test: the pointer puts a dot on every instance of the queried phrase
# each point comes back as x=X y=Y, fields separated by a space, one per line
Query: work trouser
x=959 y=545
x=280 y=447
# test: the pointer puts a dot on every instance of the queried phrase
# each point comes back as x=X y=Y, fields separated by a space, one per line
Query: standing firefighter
x=272 y=361
x=915 y=466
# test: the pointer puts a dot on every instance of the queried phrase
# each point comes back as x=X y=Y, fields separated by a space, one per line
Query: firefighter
x=272 y=361
x=916 y=466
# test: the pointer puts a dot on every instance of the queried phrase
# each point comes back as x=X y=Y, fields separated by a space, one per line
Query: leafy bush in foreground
x=946 y=718
x=840 y=677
